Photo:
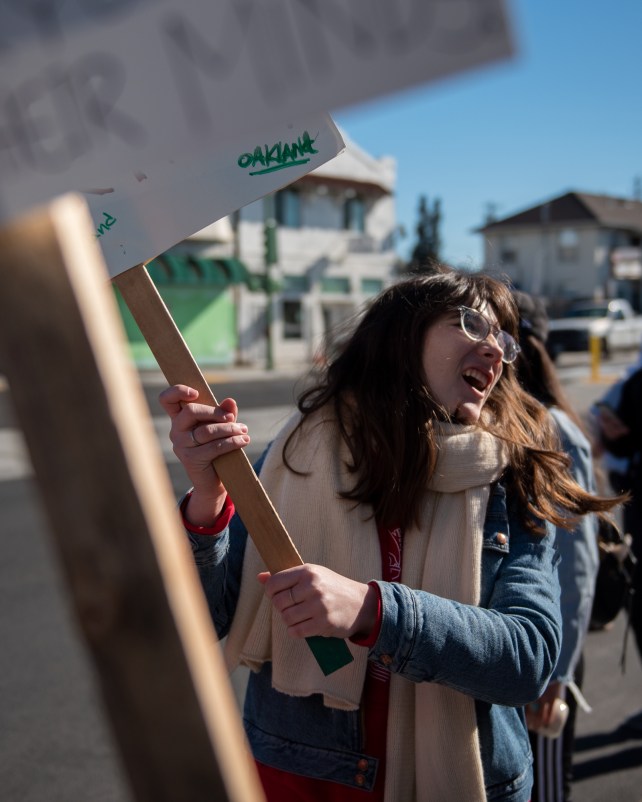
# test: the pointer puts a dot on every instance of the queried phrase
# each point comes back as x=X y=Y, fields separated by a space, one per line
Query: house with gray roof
x=575 y=245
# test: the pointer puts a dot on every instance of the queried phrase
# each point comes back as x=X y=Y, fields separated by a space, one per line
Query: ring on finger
x=193 y=436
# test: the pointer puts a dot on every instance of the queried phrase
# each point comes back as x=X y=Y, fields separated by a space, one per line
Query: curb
x=151 y=377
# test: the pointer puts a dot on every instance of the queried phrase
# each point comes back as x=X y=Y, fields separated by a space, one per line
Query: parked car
x=613 y=322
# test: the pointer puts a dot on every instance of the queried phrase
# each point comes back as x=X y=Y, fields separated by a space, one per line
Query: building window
x=292 y=320
x=288 y=208
x=371 y=286
x=293 y=283
x=568 y=245
x=354 y=214
x=508 y=257
x=335 y=285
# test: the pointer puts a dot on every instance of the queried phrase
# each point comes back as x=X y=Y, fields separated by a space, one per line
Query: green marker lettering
x=107 y=223
x=306 y=145
x=258 y=156
x=270 y=155
x=279 y=156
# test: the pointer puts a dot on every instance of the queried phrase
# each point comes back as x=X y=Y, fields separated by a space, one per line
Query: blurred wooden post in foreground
x=112 y=514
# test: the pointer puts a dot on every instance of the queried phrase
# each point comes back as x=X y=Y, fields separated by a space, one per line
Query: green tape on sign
x=331 y=653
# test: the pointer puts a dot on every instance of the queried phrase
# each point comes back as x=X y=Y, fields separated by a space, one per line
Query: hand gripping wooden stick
x=250 y=499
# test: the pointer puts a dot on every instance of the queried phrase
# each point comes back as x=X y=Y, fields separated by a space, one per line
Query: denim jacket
x=502 y=653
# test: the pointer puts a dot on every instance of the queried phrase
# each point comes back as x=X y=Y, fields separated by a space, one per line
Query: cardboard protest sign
x=91 y=91
x=139 y=215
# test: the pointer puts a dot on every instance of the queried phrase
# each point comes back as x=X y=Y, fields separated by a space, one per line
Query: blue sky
x=564 y=113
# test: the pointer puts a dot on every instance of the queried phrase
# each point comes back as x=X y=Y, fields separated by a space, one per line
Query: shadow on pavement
x=601 y=739
x=625 y=758
x=607 y=764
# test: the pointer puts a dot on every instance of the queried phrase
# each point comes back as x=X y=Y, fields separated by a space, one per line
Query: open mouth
x=476 y=379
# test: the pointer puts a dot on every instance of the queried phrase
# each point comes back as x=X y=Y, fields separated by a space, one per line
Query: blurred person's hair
x=535 y=369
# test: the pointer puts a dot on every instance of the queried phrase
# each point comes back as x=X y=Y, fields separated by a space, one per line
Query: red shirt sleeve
x=371 y=639
x=219 y=525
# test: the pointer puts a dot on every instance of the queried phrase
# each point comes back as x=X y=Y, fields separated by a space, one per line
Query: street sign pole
x=271 y=257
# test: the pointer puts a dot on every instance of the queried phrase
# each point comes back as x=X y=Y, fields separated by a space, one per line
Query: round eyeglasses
x=477 y=327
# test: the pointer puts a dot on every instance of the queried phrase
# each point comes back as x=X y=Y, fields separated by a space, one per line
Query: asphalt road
x=54 y=742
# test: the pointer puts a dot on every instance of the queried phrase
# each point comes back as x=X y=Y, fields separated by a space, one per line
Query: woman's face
x=461 y=372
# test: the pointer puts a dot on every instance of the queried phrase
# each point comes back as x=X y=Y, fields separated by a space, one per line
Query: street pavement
x=55 y=745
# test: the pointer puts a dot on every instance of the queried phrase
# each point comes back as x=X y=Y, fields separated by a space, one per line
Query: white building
x=567 y=247
x=335 y=245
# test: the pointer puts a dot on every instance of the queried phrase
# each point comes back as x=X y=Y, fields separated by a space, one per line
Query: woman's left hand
x=314 y=600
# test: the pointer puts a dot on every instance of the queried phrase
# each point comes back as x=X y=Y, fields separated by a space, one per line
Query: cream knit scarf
x=433 y=752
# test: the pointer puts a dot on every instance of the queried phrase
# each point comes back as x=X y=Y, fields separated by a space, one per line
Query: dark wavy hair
x=386 y=410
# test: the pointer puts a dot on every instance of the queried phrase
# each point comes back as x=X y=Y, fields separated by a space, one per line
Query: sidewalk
x=237 y=373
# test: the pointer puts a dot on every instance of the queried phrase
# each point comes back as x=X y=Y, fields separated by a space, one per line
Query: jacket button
x=501 y=538
x=362 y=765
x=359 y=779
x=386 y=659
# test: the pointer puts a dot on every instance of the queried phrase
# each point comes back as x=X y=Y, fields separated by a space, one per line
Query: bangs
x=498 y=296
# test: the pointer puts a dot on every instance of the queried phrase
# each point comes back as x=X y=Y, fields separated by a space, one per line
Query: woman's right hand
x=199 y=434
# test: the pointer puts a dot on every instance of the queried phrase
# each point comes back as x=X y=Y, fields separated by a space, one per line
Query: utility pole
x=270 y=258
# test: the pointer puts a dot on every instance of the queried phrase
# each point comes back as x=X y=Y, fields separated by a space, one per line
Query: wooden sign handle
x=179 y=367
x=250 y=499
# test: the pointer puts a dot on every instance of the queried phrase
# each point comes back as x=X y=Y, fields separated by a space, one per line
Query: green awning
x=159 y=272
x=235 y=269
x=238 y=273
x=182 y=272
x=182 y=268
x=212 y=271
